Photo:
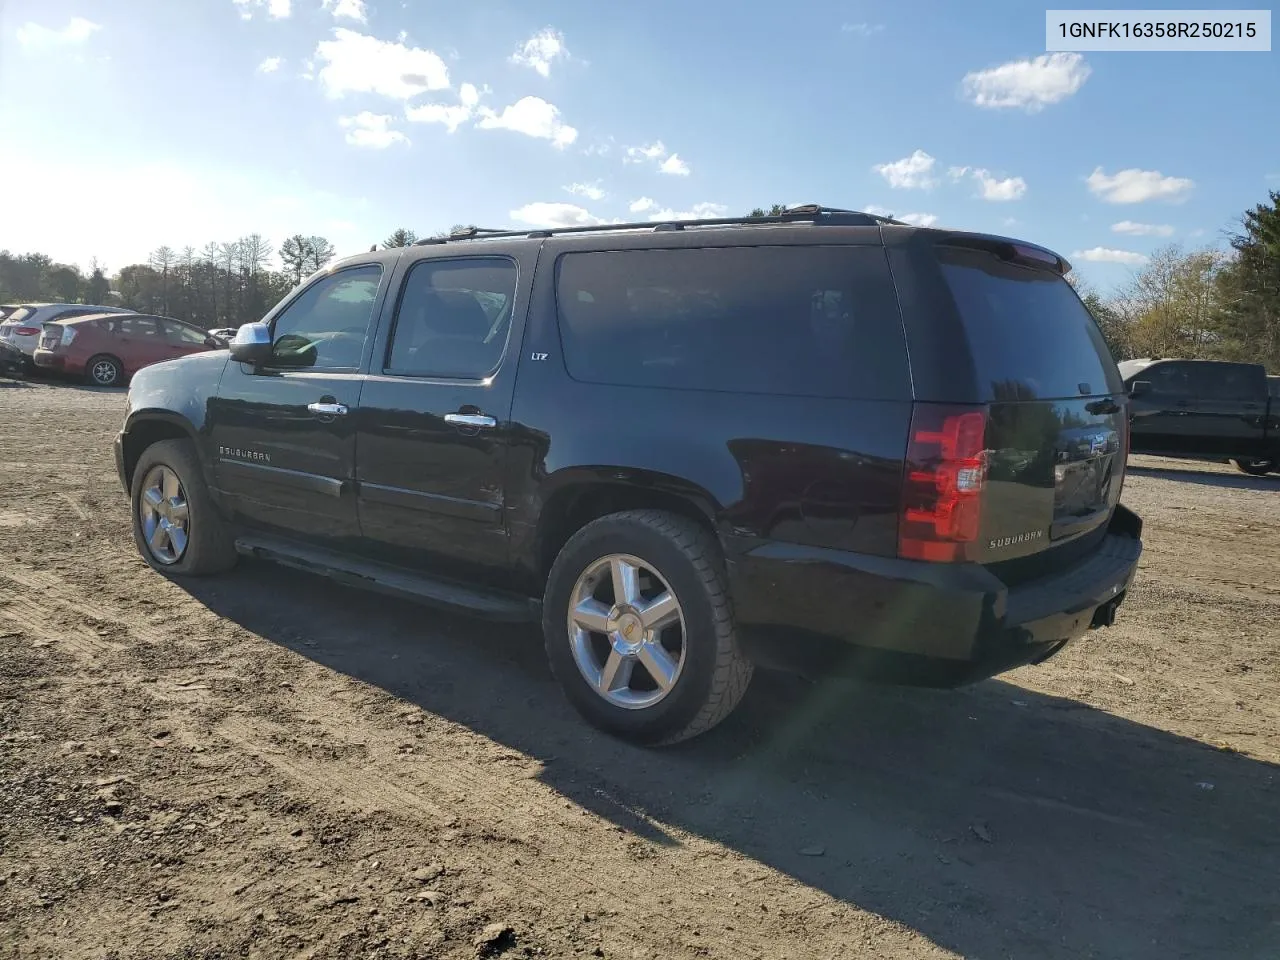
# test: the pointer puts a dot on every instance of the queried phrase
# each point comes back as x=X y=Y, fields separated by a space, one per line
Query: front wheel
x=176 y=526
x=639 y=629
x=1255 y=468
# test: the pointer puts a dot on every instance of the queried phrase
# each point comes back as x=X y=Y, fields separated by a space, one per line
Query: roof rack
x=805 y=213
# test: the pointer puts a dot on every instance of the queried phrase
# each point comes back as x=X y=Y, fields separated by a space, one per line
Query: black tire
x=715 y=673
x=210 y=546
x=1255 y=468
x=104 y=362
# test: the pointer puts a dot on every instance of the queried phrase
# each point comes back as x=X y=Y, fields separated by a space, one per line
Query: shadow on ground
x=994 y=821
x=1208 y=478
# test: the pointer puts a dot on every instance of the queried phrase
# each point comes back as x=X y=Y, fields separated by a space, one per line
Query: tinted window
x=1168 y=379
x=183 y=336
x=1028 y=332
x=135 y=328
x=453 y=318
x=325 y=328
x=20 y=314
x=1226 y=381
x=815 y=321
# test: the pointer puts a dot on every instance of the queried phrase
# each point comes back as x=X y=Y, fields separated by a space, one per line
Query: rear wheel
x=175 y=524
x=1255 y=468
x=639 y=629
x=104 y=371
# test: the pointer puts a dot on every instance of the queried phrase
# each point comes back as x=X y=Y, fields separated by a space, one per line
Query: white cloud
x=37 y=38
x=913 y=172
x=540 y=50
x=915 y=219
x=351 y=9
x=700 y=211
x=555 y=215
x=1138 y=186
x=276 y=9
x=357 y=63
x=653 y=151
x=270 y=65
x=674 y=166
x=451 y=116
x=533 y=117
x=1107 y=255
x=592 y=191
x=373 y=130
x=919 y=219
x=1142 y=229
x=641 y=205
x=1029 y=85
x=1011 y=188
x=957 y=173
x=862 y=29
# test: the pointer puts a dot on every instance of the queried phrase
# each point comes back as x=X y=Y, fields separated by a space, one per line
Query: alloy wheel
x=627 y=631
x=164 y=515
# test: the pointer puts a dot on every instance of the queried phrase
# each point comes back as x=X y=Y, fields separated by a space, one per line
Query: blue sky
x=141 y=122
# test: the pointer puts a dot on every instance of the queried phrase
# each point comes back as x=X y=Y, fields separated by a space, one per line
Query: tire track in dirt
x=518 y=822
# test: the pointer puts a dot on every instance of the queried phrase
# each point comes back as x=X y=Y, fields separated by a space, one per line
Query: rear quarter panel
x=807 y=470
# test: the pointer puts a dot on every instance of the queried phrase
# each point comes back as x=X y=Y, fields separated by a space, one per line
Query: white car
x=22 y=327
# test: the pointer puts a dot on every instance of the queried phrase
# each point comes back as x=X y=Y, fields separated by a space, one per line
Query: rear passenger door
x=434 y=424
x=141 y=341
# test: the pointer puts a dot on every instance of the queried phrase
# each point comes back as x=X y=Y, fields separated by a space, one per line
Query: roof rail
x=805 y=213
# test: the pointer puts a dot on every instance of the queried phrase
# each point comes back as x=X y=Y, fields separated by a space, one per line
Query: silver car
x=22 y=327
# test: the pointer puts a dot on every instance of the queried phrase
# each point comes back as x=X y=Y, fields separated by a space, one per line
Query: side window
x=134 y=328
x=1168 y=380
x=801 y=321
x=453 y=318
x=1226 y=381
x=181 y=335
x=325 y=328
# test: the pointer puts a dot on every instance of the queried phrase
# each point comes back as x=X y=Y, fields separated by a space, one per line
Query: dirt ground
x=267 y=766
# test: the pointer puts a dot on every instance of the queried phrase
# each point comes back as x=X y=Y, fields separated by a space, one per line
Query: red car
x=106 y=349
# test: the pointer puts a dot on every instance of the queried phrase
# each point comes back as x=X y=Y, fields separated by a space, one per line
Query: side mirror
x=251 y=344
x=1138 y=387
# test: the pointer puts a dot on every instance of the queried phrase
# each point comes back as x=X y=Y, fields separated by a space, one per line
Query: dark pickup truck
x=1205 y=410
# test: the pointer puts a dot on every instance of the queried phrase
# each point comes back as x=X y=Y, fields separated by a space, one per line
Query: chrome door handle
x=470 y=420
x=328 y=409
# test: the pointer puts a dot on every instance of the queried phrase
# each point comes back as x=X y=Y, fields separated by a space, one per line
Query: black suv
x=823 y=440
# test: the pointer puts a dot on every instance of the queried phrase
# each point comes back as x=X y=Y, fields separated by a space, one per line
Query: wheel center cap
x=626 y=624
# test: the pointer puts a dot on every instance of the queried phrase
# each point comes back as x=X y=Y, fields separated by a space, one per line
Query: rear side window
x=1226 y=381
x=1028 y=332
x=803 y=321
x=453 y=318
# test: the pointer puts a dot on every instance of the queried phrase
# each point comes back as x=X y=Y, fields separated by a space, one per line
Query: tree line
x=223 y=284
x=1202 y=303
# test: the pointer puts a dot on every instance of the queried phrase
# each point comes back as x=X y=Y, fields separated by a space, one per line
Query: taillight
x=27 y=331
x=946 y=472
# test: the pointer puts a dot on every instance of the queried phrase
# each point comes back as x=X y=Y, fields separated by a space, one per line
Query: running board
x=384 y=578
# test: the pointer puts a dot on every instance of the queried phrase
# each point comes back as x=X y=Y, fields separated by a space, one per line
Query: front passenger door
x=283 y=432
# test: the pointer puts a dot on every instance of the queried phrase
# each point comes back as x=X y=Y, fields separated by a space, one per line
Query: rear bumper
x=48 y=360
x=826 y=611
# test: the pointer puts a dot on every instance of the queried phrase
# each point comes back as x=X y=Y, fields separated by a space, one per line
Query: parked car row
x=103 y=345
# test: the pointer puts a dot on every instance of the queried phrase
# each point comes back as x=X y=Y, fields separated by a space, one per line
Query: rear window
x=20 y=314
x=1028 y=332
x=809 y=321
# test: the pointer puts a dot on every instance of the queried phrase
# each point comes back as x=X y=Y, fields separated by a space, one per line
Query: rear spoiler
x=1014 y=251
